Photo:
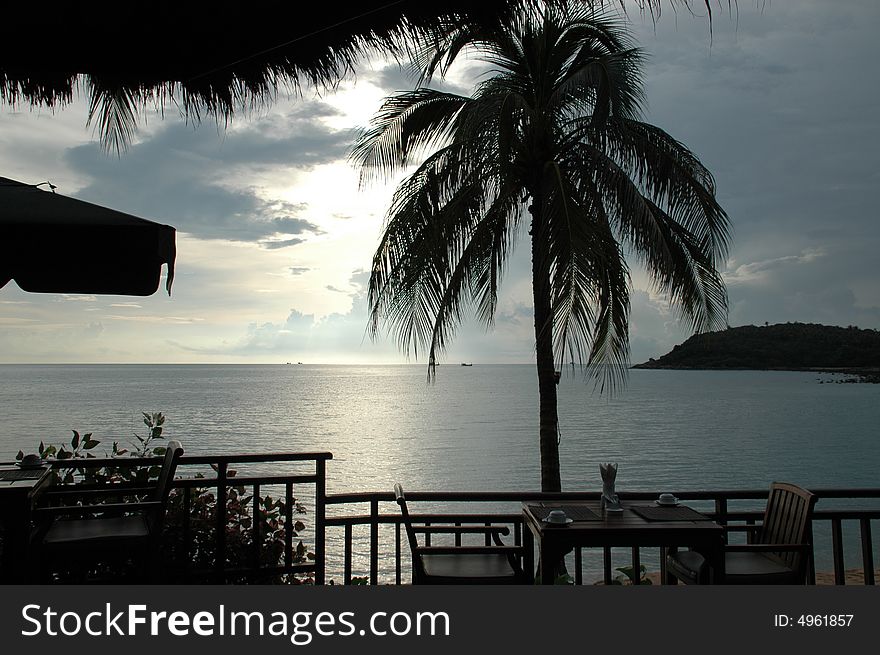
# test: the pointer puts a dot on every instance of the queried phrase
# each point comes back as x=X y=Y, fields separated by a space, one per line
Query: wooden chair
x=778 y=551
x=490 y=564
x=110 y=531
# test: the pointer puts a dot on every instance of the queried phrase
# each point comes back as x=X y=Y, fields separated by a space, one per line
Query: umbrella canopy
x=50 y=243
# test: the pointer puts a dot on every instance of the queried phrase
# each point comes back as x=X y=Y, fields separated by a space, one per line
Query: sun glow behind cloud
x=275 y=235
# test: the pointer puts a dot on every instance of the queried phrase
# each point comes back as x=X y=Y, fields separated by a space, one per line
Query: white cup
x=556 y=516
x=667 y=499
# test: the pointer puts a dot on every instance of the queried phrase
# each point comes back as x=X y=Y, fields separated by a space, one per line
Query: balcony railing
x=359 y=521
x=303 y=489
x=358 y=537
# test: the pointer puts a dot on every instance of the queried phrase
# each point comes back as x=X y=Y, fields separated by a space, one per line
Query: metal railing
x=360 y=519
x=346 y=529
x=214 y=473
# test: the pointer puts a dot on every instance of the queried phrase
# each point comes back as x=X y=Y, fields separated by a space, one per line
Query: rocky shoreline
x=852 y=375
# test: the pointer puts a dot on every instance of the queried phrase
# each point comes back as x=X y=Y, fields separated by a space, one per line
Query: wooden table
x=16 y=501
x=627 y=529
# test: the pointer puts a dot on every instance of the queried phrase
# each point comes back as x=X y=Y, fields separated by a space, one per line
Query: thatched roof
x=209 y=57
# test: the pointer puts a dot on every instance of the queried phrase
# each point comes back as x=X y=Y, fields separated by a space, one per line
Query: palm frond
x=116 y=111
x=406 y=125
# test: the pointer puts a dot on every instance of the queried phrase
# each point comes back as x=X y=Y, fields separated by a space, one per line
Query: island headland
x=784 y=346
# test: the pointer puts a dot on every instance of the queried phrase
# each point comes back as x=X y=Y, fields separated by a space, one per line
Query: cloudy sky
x=275 y=238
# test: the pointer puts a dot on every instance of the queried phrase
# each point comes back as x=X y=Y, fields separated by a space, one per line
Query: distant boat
x=466 y=364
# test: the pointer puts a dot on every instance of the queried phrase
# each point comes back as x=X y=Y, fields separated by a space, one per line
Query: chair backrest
x=418 y=565
x=173 y=452
x=787 y=520
x=407 y=522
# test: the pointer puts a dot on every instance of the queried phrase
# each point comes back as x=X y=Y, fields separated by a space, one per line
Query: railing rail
x=356 y=525
x=221 y=482
x=345 y=514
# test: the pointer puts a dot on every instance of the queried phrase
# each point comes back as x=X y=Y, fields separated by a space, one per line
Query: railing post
x=721 y=510
x=867 y=551
x=288 y=525
x=397 y=565
x=187 y=530
x=320 y=520
x=346 y=562
x=255 y=528
x=220 y=562
x=811 y=561
x=374 y=541
x=837 y=548
x=637 y=565
x=606 y=564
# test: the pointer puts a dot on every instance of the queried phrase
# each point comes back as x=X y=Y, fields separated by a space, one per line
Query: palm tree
x=554 y=136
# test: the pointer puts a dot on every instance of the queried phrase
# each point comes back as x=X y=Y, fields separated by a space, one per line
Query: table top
x=626 y=528
x=26 y=484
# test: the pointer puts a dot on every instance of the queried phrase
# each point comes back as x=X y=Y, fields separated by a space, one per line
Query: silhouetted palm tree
x=553 y=136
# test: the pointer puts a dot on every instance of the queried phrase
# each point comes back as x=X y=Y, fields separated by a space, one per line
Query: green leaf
x=91 y=443
x=19 y=455
x=75 y=441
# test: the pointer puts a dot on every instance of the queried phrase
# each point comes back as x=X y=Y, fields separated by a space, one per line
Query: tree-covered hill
x=791 y=346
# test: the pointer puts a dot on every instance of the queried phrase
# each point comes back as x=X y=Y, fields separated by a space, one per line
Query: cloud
x=762 y=270
x=280 y=243
x=393 y=78
x=190 y=178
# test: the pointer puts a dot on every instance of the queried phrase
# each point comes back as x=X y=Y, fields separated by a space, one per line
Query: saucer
x=567 y=521
x=39 y=465
x=659 y=504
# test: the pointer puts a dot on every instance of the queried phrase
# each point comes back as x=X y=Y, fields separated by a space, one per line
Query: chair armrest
x=766 y=548
x=742 y=528
x=462 y=529
x=469 y=550
x=61 y=493
x=74 y=510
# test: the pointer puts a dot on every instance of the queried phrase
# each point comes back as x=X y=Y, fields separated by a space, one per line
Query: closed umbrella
x=50 y=243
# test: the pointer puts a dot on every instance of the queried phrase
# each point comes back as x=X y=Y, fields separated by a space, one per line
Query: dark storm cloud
x=174 y=176
x=782 y=108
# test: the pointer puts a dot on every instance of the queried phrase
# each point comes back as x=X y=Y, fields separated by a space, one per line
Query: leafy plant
x=628 y=577
x=187 y=552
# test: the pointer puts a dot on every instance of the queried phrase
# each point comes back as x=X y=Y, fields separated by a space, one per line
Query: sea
x=474 y=428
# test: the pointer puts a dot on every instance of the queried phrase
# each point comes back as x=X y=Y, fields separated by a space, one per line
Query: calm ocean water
x=475 y=428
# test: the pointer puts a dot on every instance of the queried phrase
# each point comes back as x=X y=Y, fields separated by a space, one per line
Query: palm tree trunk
x=549 y=438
